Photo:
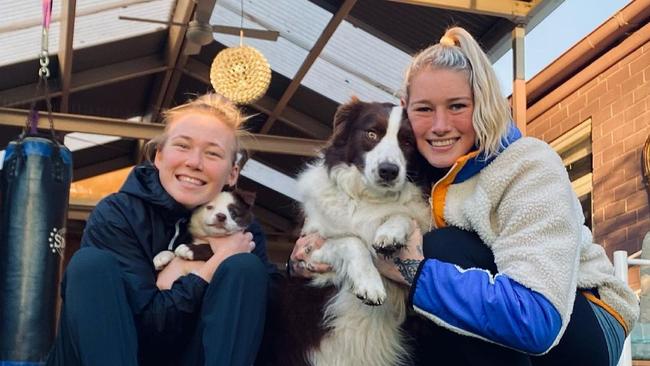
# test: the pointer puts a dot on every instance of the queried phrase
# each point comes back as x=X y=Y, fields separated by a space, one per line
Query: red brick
x=641 y=92
x=578 y=104
x=632 y=83
x=624 y=102
x=604 y=114
x=613 y=152
x=559 y=116
x=598 y=216
x=642 y=123
x=614 y=81
x=636 y=200
x=590 y=110
x=620 y=134
x=640 y=184
x=616 y=237
x=571 y=121
x=635 y=141
x=585 y=88
x=643 y=213
x=610 y=97
x=609 y=71
x=596 y=92
x=614 y=209
x=635 y=110
x=610 y=124
x=602 y=143
x=640 y=63
x=638 y=230
x=553 y=133
x=624 y=190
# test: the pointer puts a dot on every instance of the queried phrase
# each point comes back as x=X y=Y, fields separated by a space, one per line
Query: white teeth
x=441 y=143
x=184 y=178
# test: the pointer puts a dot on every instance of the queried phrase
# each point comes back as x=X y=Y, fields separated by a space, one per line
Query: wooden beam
x=66 y=35
x=143 y=130
x=266 y=104
x=174 y=58
x=514 y=10
x=519 y=83
x=316 y=50
x=87 y=79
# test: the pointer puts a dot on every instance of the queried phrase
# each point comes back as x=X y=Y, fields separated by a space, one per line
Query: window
x=574 y=147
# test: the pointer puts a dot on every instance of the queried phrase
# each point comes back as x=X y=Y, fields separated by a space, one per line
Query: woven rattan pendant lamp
x=241 y=74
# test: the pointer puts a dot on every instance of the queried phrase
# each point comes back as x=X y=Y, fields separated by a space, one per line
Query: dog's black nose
x=221 y=217
x=388 y=171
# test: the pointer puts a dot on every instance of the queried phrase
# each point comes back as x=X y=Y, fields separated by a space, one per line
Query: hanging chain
x=44 y=58
x=43 y=75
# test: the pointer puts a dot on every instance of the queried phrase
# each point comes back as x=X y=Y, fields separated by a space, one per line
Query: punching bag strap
x=31 y=125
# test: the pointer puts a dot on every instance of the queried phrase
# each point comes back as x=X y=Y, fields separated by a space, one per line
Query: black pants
x=583 y=342
x=97 y=324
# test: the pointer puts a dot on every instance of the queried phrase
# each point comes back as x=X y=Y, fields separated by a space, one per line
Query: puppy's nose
x=388 y=171
x=221 y=217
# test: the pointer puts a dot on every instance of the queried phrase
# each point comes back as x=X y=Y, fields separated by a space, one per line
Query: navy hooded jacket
x=137 y=223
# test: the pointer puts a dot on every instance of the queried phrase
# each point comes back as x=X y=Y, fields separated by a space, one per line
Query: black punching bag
x=35 y=183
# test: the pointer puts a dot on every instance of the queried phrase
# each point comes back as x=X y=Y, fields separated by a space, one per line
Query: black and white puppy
x=228 y=213
x=359 y=198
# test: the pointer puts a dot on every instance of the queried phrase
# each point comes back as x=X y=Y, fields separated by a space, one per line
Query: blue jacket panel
x=494 y=308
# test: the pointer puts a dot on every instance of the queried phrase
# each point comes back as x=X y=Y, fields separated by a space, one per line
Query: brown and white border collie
x=359 y=198
x=229 y=212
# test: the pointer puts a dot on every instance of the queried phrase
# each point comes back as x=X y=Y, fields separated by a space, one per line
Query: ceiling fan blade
x=192 y=49
x=122 y=17
x=204 y=9
x=249 y=33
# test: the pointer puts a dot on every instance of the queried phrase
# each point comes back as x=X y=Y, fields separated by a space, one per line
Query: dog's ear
x=345 y=113
x=247 y=197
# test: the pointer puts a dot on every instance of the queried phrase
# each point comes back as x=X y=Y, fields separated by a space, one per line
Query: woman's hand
x=224 y=247
x=300 y=264
x=402 y=266
x=173 y=270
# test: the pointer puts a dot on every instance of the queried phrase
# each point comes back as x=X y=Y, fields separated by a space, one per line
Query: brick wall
x=618 y=103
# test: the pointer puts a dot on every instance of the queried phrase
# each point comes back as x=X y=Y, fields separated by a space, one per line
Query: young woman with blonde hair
x=509 y=275
x=117 y=310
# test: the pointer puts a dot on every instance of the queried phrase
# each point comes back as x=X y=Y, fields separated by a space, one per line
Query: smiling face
x=440 y=108
x=196 y=159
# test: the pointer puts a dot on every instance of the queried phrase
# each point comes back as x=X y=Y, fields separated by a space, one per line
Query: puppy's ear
x=245 y=196
x=346 y=113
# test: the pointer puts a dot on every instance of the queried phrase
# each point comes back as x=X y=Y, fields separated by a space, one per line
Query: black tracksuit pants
x=583 y=342
x=97 y=324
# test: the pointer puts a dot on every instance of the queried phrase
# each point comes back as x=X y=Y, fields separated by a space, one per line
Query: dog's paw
x=184 y=252
x=162 y=259
x=390 y=238
x=370 y=290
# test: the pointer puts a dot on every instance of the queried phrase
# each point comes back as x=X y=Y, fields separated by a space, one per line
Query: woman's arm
x=527 y=304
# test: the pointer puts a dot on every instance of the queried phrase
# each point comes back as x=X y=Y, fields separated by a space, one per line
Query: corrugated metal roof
x=343 y=68
x=96 y=23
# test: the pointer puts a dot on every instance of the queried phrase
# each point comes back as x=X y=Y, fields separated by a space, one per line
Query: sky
x=565 y=26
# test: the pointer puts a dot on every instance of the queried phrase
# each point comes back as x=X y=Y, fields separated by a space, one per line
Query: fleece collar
x=463 y=169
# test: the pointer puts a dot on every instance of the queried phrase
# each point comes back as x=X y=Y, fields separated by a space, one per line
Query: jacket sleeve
x=492 y=308
x=534 y=230
x=157 y=312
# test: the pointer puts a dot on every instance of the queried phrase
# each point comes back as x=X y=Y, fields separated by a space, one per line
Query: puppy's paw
x=162 y=259
x=369 y=289
x=184 y=252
